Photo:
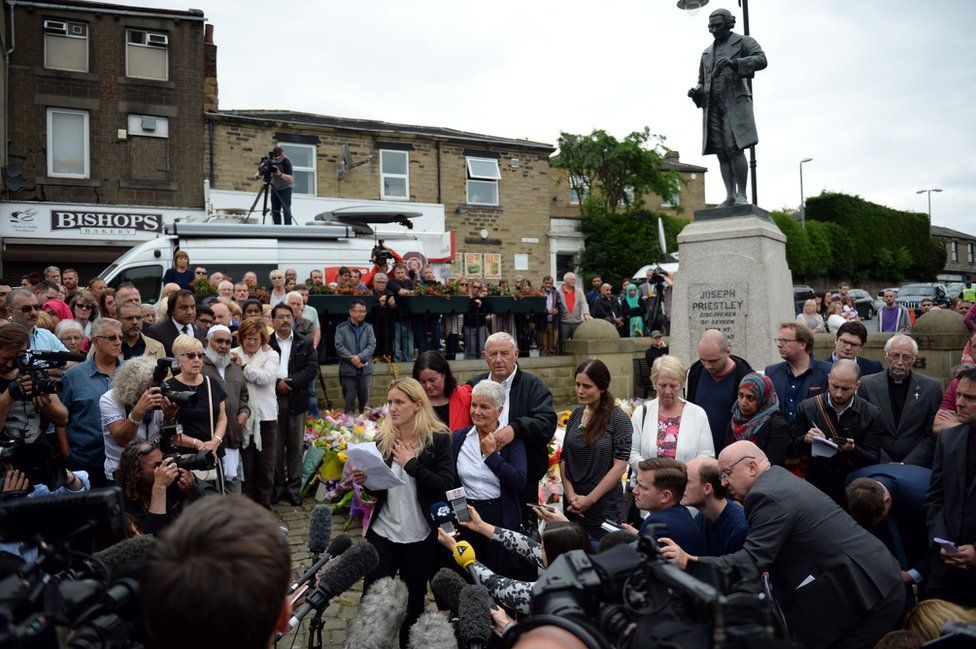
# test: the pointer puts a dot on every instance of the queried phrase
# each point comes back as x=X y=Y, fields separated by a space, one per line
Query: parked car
x=911 y=295
x=801 y=293
x=864 y=303
x=954 y=290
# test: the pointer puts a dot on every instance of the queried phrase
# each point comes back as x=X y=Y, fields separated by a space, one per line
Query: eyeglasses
x=850 y=343
x=148 y=447
x=193 y=355
x=895 y=356
x=27 y=308
x=725 y=473
x=86 y=307
x=783 y=341
x=199 y=272
x=115 y=338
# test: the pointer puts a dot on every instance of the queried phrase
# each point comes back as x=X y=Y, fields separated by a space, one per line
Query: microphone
x=319 y=530
x=339 y=545
x=474 y=617
x=127 y=558
x=464 y=556
x=447 y=585
x=381 y=612
x=442 y=514
x=432 y=631
x=338 y=577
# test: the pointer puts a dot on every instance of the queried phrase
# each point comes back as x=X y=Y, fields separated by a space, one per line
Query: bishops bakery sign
x=106 y=223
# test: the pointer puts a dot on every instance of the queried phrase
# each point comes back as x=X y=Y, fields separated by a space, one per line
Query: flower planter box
x=434 y=304
x=508 y=304
x=332 y=305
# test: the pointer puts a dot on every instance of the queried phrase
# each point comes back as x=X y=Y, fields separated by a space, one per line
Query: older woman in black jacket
x=416 y=446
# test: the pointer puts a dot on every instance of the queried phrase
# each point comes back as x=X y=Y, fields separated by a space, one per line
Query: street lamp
x=803 y=202
x=929 y=192
x=691 y=6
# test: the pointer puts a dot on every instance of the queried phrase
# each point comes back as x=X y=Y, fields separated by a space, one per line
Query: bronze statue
x=725 y=96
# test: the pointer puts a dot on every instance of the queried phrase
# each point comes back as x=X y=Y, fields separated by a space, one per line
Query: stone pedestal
x=733 y=277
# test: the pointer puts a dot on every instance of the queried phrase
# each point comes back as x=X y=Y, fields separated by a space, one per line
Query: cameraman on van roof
x=280 y=181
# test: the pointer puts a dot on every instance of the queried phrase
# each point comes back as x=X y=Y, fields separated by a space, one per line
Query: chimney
x=671 y=155
x=209 y=69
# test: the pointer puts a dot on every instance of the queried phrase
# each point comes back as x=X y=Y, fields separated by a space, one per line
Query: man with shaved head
x=722 y=524
x=713 y=382
x=837 y=585
x=845 y=420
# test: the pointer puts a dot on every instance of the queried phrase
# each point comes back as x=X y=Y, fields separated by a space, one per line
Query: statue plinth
x=732 y=212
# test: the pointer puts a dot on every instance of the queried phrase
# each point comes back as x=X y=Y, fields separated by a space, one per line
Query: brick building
x=960 y=250
x=105 y=111
x=494 y=192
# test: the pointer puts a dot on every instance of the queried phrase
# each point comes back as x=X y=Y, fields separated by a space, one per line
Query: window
x=302 y=158
x=483 y=177
x=565 y=263
x=67 y=143
x=146 y=54
x=65 y=45
x=969 y=255
x=674 y=201
x=575 y=197
x=148 y=126
x=955 y=251
x=394 y=174
x=148 y=279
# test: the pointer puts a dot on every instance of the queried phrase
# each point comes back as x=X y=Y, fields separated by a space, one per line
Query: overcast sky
x=878 y=93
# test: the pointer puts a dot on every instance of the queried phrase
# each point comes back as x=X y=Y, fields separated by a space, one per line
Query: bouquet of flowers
x=328 y=437
x=551 y=485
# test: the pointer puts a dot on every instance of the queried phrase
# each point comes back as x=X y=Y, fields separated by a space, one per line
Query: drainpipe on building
x=7 y=51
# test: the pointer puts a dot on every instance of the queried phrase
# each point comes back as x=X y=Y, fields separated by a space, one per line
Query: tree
x=610 y=173
x=617 y=245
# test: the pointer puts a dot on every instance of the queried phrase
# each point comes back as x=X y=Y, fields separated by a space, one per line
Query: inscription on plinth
x=718 y=306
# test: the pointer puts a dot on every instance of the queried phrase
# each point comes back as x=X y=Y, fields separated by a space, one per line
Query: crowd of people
x=841 y=486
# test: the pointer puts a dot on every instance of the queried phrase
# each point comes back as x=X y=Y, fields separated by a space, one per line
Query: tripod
x=262 y=195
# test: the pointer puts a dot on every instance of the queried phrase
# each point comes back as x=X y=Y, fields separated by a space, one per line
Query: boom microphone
x=338 y=546
x=319 y=530
x=474 y=617
x=432 y=631
x=338 y=577
x=381 y=612
x=59 y=356
x=464 y=556
x=127 y=558
x=447 y=585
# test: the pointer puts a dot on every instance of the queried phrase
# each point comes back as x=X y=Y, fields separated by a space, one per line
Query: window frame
x=148 y=32
x=955 y=252
x=574 y=197
x=405 y=176
x=471 y=177
x=67 y=23
x=969 y=252
x=295 y=168
x=86 y=122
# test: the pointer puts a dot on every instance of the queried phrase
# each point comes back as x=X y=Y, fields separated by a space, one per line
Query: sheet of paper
x=367 y=458
x=823 y=447
x=809 y=579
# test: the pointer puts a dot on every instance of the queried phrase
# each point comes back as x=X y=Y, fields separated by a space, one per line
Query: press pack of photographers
x=276 y=170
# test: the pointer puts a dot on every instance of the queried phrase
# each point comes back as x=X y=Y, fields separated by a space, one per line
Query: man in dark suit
x=909 y=402
x=836 y=584
x=950 y=503
x=182 y=309
x=889 y=501
x=296 y=373
x=661 y=484
x=849 y=342
x=527 y=414
x=218 y=365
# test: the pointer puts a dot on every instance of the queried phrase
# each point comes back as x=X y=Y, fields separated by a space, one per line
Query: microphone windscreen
x=464 y=554
x=381 y=612
x=319 y=529
x=441 y=512
x=127 y=558
x=447 y=585
x=474 y=615
x=355 y=563
x=339 y=545
x=432 y=631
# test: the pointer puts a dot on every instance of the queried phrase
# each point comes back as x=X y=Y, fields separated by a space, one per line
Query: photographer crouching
x=275 y=169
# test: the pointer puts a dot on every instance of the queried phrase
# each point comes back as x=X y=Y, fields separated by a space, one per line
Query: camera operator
x=16 y=483
x=82 y=387
x=24 y=420
x=132 y=410
x=280 y=180
x=154 y=488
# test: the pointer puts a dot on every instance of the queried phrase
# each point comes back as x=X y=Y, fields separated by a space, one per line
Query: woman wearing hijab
x=755 y=418
x=633 y=311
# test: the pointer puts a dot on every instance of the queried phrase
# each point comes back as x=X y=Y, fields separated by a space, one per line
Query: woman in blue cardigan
x=493 y=478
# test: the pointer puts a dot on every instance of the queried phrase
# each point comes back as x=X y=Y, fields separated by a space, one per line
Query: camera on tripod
x=380 y=254
x=35 y=364
x=269 y=165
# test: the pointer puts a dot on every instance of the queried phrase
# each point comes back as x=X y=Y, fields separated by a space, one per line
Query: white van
x=235 y=248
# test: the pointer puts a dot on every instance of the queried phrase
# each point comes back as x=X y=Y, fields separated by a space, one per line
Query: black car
x=801 y=293
x=863 y=302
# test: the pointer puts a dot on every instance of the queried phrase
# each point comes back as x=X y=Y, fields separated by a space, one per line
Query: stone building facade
x=495 y=191
x=960 y=254
x=105 y=108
